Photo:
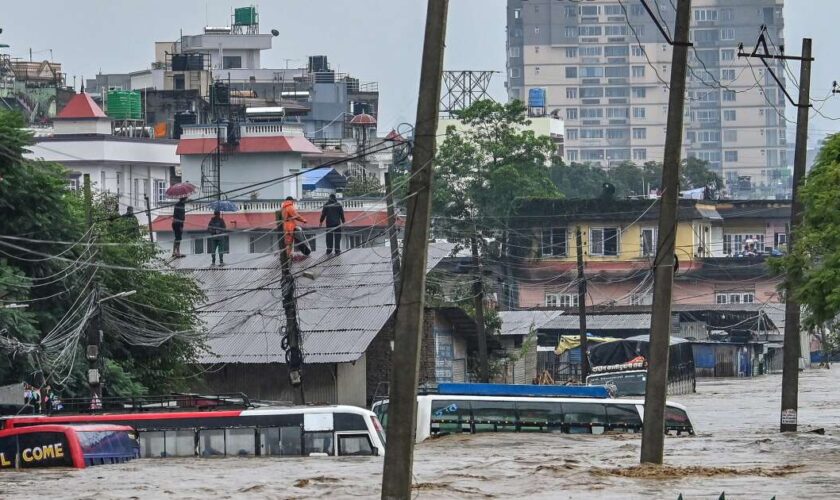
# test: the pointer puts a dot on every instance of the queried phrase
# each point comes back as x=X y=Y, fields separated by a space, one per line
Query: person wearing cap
x=216 y=228
x=333 y=214
x=291 y=230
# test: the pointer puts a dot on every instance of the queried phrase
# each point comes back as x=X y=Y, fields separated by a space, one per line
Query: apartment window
x=735 y=297
x=119 y=183
x=74 y=183
x=515 y=73
x=727 y=74
x=571 y=11
x=729 y=115
x=591 y=113
x=727 y=54
x=591 y=72
x=617 y=113
x=571 y=72
x=571 y=52
x=613 y=10
x=638 y=51
x=591 y=92
x=571 y=93
x=639 y=92
x=729 y=95
x=590 y=10
x=730 y=135
x=705 y=15
x=517 y=13
x=648 y=243
x=706 y=115
x=616 y=71
x=638 y=112
x=231 y=62
x=593 y=51
x=571 y=134
x=515 y=52
x=561 y=300
x=617 y=92
x=638 y=71
x=592 y=133
x=571 y=113
x=727 y=14
x=639 y=133
x=640 y=154
x=616 y=30
x=572 y=155
x=727 y=33
x=592 y=154
x=160 y=191
x=637 y=10
x=553 y=242
x=617 y=133
x=603 y=241
x=730 y=156
x=616 y=51
x=589 y=30
x=570 y=31
x=708 y=136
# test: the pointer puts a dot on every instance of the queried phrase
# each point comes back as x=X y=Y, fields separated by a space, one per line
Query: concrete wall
x=241 y=170
x=270 y=382
x=350 y=383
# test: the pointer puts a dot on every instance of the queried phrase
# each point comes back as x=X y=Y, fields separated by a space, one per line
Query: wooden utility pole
x=291 y=339
x=653 y=433
x=408 y=325
x=792 y=344
x=93 y=333
x=478 y=302
x=149 y=217
x=584 y=344
x=392 y=234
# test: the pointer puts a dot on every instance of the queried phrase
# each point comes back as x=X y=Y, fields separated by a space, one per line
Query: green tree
x=363 y=186
x=49 y=263
x=696 y=173
x=578 y=180
x=814 y=267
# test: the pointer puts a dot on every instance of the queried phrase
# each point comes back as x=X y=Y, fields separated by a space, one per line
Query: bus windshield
x=625 y=383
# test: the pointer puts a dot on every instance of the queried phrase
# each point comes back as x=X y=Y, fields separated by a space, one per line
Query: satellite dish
x=275 y=32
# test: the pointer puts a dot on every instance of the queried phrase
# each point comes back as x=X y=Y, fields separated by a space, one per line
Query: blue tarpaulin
x=522 y=390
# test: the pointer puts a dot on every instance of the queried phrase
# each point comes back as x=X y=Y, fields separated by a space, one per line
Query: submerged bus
x=77 y=446
x=460 y=408
x=285 y=431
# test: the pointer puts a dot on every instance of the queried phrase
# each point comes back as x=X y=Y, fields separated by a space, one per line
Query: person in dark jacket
x=216 y=228
x=333 y=214
x=132 y=226
x=179 y=215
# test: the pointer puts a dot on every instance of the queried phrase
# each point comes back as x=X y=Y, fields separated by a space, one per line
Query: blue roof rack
x=523 y=390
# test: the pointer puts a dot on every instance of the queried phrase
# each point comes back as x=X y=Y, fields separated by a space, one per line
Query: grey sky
x=375 y=40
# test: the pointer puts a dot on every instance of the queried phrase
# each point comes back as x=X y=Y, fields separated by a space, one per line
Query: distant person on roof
x=179 y=215
x=333 y=214
x=292 y=233
x=217 y=228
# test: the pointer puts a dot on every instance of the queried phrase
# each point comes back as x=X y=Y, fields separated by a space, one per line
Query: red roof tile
x=276 y=144
x=81 y=106
x=266 y=220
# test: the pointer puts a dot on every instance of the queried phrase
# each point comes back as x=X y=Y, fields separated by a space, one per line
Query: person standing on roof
x=216 y=228
x=333 y=214
x=291 y=231
x=179 y=215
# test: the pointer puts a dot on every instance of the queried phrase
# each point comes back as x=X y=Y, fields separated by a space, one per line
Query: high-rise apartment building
x=605 y=67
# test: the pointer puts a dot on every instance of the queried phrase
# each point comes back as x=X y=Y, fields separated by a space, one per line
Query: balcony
x=304 y=205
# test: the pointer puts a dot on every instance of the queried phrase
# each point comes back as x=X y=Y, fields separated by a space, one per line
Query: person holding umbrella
x=216 y=227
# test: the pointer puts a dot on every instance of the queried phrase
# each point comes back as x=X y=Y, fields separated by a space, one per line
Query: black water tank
x=183 y=118
x=179 y=62
x=195 y=62
x=318 y=64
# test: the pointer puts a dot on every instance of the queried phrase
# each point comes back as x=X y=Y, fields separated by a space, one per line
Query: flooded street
x=737 y=450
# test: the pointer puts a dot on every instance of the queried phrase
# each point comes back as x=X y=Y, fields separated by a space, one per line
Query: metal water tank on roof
x=124 y=105
x=245 y=16
x=536 y=98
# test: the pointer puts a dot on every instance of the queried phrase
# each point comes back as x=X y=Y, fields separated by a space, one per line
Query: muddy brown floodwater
x=737 y=450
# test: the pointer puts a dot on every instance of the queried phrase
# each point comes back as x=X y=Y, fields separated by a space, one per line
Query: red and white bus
x=79 y=446
x=286 y=431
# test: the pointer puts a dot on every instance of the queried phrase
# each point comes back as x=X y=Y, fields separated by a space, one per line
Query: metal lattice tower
x=462 y=88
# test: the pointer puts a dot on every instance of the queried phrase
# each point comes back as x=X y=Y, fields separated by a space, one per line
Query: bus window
x=493 y=416
x=623 y=418
x=584 y=418
x=677 y=420
x=152 y=444
x=270 y=441
x=354 y=445
x=318 y=443
x=539 y=416
x=180 y=443
x=290 y=441
x=349 y=422
x=450 y=416
x=211 y=442
x=239 y=442
x=382 y=414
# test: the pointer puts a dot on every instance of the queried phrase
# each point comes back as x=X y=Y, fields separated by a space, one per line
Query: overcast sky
x=375 y=40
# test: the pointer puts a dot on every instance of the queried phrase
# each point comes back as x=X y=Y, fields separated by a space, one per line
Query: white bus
x=441 y=414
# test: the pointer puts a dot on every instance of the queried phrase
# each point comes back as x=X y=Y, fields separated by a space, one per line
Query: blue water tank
x=536 y=98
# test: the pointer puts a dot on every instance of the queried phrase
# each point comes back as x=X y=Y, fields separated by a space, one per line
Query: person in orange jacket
x=291 y=230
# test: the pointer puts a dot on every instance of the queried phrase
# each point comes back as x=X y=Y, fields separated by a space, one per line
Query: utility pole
x=149 y=218
x=408 y=325
x=792 y=347
x=478 y=303
x=392 y=235
x=584 y=344
x=291 y=340
x=653 y=433
x=93 y=334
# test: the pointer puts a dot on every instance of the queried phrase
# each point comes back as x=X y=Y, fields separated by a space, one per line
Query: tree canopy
x=51 y=262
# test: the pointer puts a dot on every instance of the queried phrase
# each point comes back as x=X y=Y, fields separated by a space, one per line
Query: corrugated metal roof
x=343 y=302
x=520 y=322
x=601 y=322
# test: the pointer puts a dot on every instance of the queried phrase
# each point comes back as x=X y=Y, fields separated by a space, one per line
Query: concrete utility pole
x=408 y=326
x=93 y=334
x=478 y=302
x=653 y=433
x=584 y=344
x=392 y=234
x=792 y=347
x=291 y=339
x=149 y=218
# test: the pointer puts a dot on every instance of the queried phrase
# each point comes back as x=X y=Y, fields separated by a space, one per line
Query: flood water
x=737 y=450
